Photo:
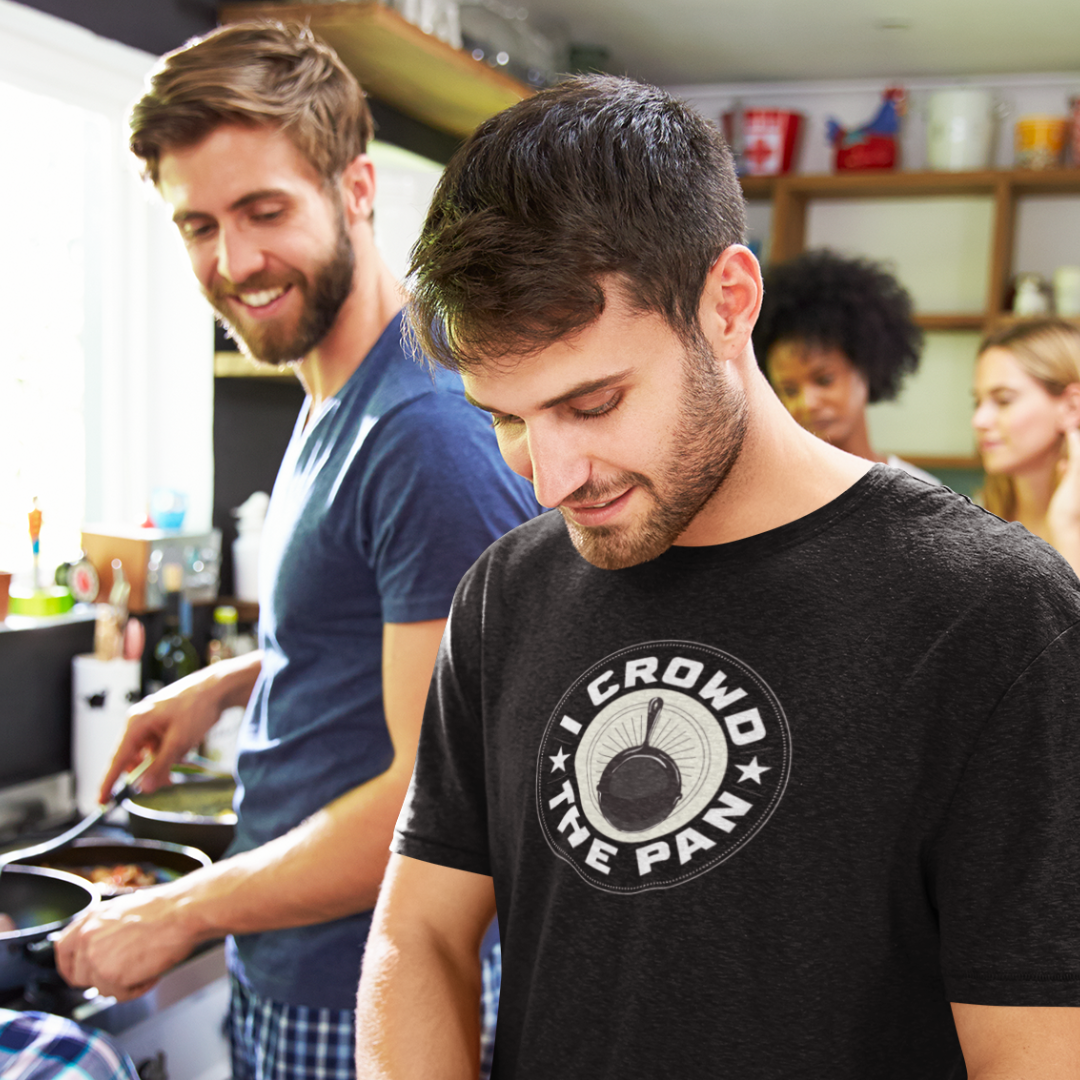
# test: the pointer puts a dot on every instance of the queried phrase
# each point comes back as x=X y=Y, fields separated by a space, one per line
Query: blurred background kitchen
x=940 y=140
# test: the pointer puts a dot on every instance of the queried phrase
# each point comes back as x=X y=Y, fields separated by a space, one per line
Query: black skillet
x=640 y=786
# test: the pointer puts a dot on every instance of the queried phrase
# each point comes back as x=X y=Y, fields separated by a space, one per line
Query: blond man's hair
x=256 y=74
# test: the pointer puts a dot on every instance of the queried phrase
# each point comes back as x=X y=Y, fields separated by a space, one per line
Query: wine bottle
x=175 y=655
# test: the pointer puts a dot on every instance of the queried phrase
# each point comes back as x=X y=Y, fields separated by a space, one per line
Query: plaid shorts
x=491 y=972
x=40 y=1046
x=273 y=1041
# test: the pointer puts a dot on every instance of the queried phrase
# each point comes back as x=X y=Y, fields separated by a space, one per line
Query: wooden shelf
x=888 y=184
x=945 y=321
x=398 y=63
x=235 y=365
x=791 y=195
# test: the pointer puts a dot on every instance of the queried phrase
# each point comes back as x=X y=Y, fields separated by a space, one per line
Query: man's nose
x=237 y=258
x=552 y=460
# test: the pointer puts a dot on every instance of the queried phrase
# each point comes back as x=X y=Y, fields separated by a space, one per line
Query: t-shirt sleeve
x=437 y=494
x=1006 y=872
x=444 y=817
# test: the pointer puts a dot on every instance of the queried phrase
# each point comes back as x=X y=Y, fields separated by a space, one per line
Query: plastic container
x=249 y=522
x=960 y=129
x=1067 y=291
x=1039 y=141
x=102 y=691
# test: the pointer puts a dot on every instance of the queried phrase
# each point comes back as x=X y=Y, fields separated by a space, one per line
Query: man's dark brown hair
x=599 y=179
x=255 y=73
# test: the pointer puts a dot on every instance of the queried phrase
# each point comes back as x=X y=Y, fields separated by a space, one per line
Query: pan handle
x=43 y=951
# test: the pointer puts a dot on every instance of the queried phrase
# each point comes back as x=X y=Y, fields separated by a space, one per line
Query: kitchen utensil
x=196 y=812
x=639 y=787
x=37 y=850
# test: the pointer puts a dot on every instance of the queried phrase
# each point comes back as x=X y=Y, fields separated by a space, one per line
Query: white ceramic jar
x=960 y=128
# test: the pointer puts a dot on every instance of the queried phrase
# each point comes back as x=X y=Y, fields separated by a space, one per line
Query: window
x=106 y=367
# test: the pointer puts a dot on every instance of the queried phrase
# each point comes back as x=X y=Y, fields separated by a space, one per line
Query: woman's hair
x=826 y=301
x=1049 y=351
x=254 y=73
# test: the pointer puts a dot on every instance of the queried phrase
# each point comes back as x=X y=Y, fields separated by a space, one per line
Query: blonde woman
x=1027 y=411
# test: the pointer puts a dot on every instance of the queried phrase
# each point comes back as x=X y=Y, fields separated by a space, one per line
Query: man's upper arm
x=424 y=900
x=1019 y=1043
x=409 y=651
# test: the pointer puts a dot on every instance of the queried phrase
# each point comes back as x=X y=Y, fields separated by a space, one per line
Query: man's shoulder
x=540 y=546
x=944 y=540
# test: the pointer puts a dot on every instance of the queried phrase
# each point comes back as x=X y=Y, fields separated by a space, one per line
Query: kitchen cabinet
x=952 y=239
x=398 y=63
x=792 y=197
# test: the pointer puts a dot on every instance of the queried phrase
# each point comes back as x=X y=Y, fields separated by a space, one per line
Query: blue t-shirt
x=382 y=502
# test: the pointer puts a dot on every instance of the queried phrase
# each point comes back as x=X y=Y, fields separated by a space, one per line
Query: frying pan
x=175 y=859
x=40 y=902
x=196 y=812
x=640 y=786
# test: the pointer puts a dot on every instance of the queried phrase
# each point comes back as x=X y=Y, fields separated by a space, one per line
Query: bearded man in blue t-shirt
x=390 y=488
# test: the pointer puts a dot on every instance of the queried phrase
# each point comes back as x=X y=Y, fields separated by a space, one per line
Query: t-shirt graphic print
x=660 y=762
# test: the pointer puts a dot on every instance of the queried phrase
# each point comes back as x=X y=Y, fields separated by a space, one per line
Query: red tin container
x=766 y=140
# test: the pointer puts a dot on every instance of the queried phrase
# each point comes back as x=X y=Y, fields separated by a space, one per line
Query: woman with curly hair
x=835 y=335
x=1027 y=411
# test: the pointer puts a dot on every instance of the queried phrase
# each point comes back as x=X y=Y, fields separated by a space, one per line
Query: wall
x=939 y=248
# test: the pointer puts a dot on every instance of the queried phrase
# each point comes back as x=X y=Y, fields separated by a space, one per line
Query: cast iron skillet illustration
x=640 y=786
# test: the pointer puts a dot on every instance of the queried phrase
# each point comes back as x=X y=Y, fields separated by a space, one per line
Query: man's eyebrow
x=245 y=200
x=580 y=390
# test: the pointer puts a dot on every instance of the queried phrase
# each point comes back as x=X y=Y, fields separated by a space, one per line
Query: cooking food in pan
x=117 y=878
x=197 y=812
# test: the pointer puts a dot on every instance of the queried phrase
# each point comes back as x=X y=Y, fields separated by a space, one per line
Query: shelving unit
x=792 y=195
x=398 y=63
x=235 y=365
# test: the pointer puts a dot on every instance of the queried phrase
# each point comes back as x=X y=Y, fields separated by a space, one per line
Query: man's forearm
x=326 y=868
x=417 y=1012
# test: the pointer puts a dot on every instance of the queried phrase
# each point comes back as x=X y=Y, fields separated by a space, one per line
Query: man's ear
x=730 y=301
x=357 y=185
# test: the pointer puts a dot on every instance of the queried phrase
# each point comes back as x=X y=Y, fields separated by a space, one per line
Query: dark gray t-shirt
x=762 y=810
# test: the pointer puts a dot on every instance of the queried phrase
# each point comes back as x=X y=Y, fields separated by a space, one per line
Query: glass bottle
x=222 y=644
x=175 y=655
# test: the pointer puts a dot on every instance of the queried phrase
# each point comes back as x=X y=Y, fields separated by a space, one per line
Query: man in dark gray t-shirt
x=766 y=756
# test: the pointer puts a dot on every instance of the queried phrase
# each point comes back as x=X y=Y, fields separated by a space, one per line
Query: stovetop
x=47 y=993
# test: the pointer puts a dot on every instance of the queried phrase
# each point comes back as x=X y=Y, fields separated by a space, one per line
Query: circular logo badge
x=659 y=763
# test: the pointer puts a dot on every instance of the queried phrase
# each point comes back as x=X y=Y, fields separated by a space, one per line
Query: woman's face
x=1018 y=423
x=821 y=388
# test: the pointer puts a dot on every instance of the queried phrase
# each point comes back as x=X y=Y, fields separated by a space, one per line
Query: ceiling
x=679 y=42
x=682 y=42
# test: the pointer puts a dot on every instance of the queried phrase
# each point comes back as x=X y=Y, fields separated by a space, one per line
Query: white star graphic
x=752 y=771
x=558 y=761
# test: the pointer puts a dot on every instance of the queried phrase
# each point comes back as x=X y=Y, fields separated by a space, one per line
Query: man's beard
x=324 y=294
x=700 y=455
